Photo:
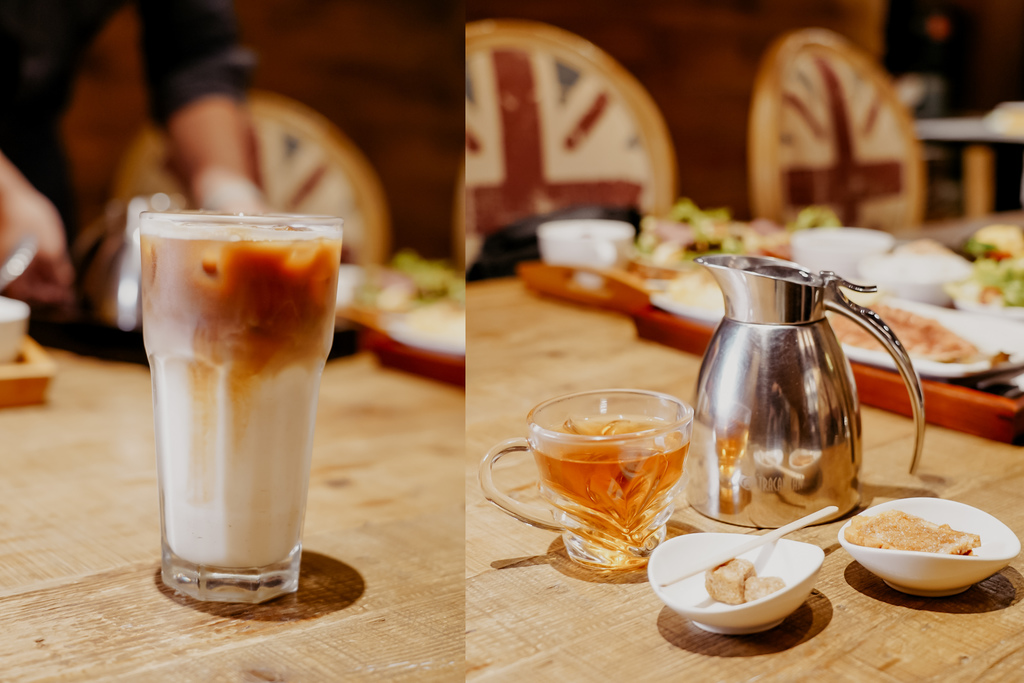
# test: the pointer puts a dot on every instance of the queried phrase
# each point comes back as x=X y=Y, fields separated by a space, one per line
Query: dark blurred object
x=517 y=241
x=927 y=44
x=390 y=74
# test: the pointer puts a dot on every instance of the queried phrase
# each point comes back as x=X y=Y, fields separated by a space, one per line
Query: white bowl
x=795 y=563
x=934 y=574
x=918 y=277
x=838 y=249
x=13 y=327
x=594 y=243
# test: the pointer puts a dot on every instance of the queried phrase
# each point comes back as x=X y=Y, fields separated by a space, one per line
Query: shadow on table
x=325 y=585
x=868 y=493
x=805 y=623
x=558 y=558
x=1001 y=590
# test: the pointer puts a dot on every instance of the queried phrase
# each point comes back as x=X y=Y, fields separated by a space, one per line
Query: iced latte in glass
x=238 y=318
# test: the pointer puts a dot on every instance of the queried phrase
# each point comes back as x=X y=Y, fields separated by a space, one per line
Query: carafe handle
x=836 y=301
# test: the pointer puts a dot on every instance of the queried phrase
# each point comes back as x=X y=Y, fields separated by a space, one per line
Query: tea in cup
x=610 y=463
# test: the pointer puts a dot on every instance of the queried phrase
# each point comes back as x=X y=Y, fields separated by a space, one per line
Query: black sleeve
x=191 y=50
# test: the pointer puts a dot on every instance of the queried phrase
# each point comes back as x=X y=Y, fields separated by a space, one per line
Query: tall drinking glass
x=238 y=318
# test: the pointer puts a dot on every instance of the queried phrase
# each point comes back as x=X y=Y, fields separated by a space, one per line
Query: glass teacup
x=611 y=463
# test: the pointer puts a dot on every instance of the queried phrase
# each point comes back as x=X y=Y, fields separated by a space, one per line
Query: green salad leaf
x=685 y=210
x=815 y=216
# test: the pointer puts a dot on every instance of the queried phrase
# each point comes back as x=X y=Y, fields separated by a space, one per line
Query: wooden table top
x=531 y=614
x=381 y=589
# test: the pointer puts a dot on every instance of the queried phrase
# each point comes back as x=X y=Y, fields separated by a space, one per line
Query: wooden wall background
x=698 y=59
x=389 y=73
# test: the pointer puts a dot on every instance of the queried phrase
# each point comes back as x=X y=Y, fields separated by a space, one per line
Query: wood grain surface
x=380 y=595
x=531 y=614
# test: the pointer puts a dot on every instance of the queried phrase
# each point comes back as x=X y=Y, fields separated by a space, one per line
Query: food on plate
x=411 y=281
x=996 y=242
x=814 y=217
x=736 y=582
x=993 y=282
x=689 y=231
x=923 y=337
x=898 y=530
x=442 y=320
x=697 y=288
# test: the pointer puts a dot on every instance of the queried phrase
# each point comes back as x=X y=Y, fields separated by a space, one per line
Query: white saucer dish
x=13 y=327
x=934 y=574
x=797 y=564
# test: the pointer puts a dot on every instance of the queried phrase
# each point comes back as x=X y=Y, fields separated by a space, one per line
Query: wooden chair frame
x=766 y=191
x=529 y=35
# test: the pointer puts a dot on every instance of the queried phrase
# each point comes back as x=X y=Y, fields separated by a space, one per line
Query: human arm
x=211 y=150
x=198 y=74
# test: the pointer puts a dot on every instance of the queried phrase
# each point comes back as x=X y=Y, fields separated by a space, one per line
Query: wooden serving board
x=614 y=289
x=25 y=381
x=947 y=405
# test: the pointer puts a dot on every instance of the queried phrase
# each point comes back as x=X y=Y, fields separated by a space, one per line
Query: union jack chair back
x=826 y=127
x=305 y=164
x=552 y=121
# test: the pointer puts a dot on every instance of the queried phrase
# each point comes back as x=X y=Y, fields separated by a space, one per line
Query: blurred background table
x=381 y=593
x=980 y=148
x=531 y=613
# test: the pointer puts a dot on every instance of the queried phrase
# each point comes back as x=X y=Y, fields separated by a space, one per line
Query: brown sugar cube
x=759 y=586
x=724 y=583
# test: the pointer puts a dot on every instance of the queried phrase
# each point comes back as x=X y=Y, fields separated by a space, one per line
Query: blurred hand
x=49 y=278
x=222 y=190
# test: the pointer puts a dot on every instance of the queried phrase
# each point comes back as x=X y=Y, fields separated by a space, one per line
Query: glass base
x=623 y=558
x=231 y=584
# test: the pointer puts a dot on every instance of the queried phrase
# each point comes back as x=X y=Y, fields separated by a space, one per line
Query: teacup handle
x=524 y=513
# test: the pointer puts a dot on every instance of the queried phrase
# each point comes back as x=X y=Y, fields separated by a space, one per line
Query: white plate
x=704 y=315
x=1010 y=312
x=990 y=335
x=797 y=564
x=934 y=574
x=399 y=330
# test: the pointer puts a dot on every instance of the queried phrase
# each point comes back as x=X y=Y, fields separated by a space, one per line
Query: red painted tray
x=392 y=354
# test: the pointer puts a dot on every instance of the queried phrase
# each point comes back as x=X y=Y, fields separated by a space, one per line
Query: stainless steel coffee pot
x=776 y=432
